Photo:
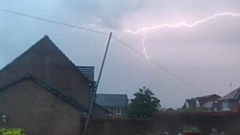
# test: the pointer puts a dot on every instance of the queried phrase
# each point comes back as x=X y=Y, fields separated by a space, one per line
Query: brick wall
x=99 y=112
x=233 y=105
x=38 y=111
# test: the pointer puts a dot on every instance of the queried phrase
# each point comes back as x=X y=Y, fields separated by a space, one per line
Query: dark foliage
x=144 y=104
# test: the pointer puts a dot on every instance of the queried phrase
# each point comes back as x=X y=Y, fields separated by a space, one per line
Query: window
x=225 y=105
x=118 y=111
x=187 y=105
x=197 y=104
x=215 y=109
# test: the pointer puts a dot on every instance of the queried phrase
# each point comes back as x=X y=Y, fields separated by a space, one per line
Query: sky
x=202 y=60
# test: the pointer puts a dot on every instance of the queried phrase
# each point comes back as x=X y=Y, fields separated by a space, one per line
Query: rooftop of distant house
x=112 y=100
x=232 y=95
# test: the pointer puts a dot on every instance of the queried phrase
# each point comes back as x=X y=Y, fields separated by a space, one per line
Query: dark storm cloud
x=109 y=12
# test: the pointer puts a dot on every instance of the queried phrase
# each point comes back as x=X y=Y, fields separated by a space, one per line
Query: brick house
x=117 y=104
x=202 y=103
x=43 y=92
x=231 y=101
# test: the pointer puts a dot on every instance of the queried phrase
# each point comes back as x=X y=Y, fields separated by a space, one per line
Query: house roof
x=209 y=104
x=53 y=89
x=112 y=100
x=207 y=96
x=88 y=72
x=232 y=95
x=205 y=101
x=45 y=61
x=170 y=110
x=202 y=98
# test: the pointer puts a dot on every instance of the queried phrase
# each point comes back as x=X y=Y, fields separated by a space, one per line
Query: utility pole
x=104 y=58
x=99 y=77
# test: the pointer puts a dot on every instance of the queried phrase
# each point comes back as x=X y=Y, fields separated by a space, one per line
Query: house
x=169 y=110
x=207 y=102
x=231 y=101
x=115 y=103
x=43 y=92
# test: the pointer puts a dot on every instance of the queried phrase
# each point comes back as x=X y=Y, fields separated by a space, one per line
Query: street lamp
x=4 y=118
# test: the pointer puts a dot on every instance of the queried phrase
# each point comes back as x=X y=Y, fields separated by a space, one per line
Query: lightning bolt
x=143 y=45
x=181 y=24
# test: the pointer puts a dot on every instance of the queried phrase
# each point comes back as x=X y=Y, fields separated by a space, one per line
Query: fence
x=167 y=122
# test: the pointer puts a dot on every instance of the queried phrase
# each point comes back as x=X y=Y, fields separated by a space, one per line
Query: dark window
x=119 y=111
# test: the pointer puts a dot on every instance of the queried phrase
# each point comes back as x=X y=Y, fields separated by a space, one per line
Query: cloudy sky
x=205 y=56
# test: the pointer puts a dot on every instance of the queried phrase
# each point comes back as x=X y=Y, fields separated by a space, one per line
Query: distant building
x=115 y=103
x=231 y=101
x=169 y=110
x=207 y=102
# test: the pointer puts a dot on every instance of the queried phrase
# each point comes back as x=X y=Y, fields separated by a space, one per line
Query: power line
x=157 y=64
x=100 y=32
x=51 y=21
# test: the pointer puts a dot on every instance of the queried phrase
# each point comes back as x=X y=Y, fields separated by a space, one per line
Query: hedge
x=11 y=131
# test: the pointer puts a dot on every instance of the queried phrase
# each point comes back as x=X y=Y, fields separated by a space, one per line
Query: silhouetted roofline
x=25 y=52
x=34 y=45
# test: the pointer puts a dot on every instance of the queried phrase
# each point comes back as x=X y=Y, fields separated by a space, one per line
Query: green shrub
x=11 y=131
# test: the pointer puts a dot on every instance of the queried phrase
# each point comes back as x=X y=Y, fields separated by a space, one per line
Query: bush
x=11 y=131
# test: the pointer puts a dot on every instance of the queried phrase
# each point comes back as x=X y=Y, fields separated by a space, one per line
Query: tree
x=144 y=104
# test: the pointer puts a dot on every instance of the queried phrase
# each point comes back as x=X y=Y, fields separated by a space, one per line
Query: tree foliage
x=144 y=103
